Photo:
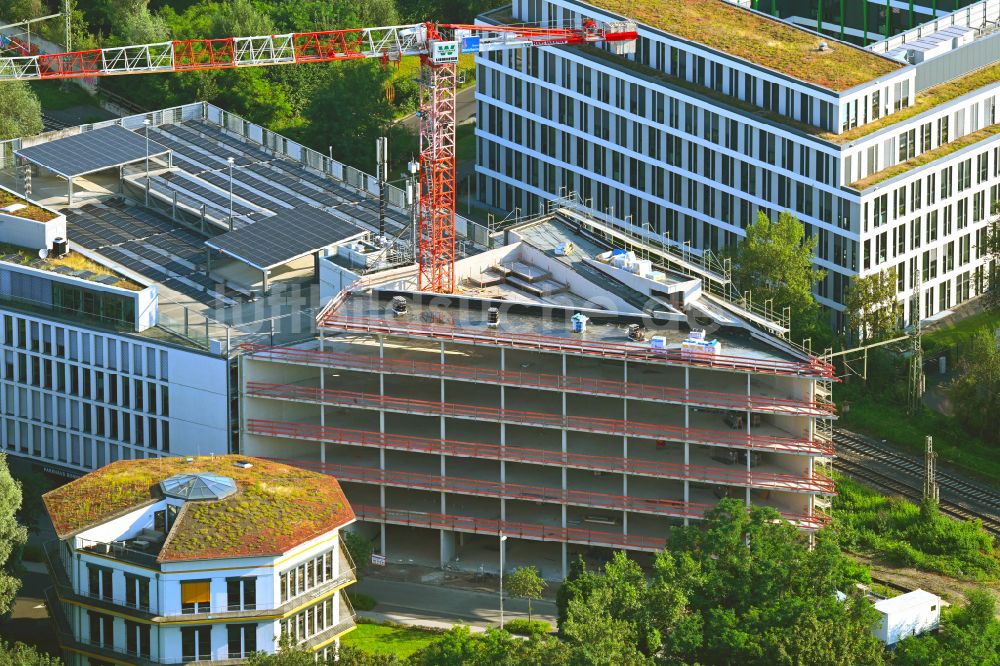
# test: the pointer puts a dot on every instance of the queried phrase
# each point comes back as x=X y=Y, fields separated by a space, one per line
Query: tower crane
x=437 y=45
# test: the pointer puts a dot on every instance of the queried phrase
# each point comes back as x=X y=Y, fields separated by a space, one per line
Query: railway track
x=852 y=467
x=848 y=442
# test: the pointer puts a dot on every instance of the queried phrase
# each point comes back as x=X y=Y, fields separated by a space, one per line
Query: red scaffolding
x=629 y=428
x=617 y=464
x=588 y=385
x=330 y=318
x=671 y=508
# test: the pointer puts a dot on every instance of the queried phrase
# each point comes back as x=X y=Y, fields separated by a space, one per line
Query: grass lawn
x=465 y=142
x=381 y=639
x=952 y=334
x=881 y=419
x=57 y=95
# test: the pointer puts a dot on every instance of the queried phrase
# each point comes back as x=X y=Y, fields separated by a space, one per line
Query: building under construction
x=571 y=397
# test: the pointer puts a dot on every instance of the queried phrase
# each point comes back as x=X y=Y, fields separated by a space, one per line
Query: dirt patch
x=952 y=590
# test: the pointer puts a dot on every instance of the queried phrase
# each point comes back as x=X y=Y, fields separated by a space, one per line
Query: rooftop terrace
x=276 y=507
x=761 y=40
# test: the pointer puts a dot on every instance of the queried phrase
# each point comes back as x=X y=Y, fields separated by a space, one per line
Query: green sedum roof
x=758 y=39
x=276 y=507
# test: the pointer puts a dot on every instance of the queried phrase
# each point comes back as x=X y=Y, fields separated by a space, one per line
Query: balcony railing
x=672 y=508
x=586 y=385
x=630 y=428
x=617 y=464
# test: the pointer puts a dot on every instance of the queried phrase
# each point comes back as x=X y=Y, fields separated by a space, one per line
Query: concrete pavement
x=29 y=622
x=437 y=606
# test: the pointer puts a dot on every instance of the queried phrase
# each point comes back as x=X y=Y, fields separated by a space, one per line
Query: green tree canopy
x=12 y=534
x=20 y=112
x=526 y=584
x=20 y=654
x=975 y=393
x=873 y=309
x=775 y=262
x=742 y=588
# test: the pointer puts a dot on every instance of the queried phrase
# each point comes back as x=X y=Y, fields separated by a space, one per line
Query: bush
x=523 y=627
x=362 y=602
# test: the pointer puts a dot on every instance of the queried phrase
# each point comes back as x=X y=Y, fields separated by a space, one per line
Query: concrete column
x=322 y=415
x=748 y=450
x=443 y=434
x=381 y=456
x=564 y=444
x=69 y=191
x=687 y=446
x=625 y=450
x=447 y=547
x=503 y=434
x=265 y=276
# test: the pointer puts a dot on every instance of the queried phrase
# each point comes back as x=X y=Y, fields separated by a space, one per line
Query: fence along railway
x=886 y=469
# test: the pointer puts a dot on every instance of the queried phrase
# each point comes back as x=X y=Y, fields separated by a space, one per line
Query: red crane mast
x=437 y=45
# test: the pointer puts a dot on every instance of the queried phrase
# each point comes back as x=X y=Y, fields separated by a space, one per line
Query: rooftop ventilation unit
x=399 y=306
x=493 y=317
x=823 y=46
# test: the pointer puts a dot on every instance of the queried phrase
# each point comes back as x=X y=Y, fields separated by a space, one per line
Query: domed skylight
x=200 y=486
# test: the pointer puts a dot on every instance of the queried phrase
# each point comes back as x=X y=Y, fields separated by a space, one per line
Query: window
x=241 y=593
x=196 y=596
x=102 y=630
x=242 y=640
x=196 y=643
x=99 y=582
x=308 y=575
x=137 y=638
x=136 y=591
x=943 y=131
x=313 y=620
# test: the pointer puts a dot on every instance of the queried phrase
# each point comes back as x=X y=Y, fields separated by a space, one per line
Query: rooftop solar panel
x=92 y=151
x=291 y=234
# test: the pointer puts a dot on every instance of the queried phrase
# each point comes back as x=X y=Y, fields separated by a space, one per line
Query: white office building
x=889 y=155
x=200 y=559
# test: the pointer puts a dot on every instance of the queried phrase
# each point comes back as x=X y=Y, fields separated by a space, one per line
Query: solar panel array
x=279 y=239
x=92 y=151
x=262 y=180
x=150 y=245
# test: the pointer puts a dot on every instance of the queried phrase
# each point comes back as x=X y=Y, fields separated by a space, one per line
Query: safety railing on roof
x=629 y=428
x=588 y=385
x=983 y=16
x=334 y=320
x=618 y=464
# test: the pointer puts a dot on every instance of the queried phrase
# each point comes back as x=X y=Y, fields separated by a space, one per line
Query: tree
x=348 y=656
x=975 y=393
x=775 y=262
x=992 y=251
x=526 y=584
x=20 y=654
x=20 y=10
x=597 y=637
x=12 y=534
x=20 y=112
x=288 y=654
x=873 y=310
x=360 y=549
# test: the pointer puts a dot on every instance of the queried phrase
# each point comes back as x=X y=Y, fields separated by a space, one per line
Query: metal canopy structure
x=285 y=237
x=90 y=152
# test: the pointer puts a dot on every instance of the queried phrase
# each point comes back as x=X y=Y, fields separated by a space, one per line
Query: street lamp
x=503 y=538
x=231 y=162
x=145 y=121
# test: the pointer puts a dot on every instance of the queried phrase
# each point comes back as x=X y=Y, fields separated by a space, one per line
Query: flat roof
x=276 y=507
x=549 y=327
x=89 y=152
x=284 y=237
x=759 y=39
x=906 y=601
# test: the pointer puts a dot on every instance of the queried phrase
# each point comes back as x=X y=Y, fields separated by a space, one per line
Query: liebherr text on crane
x=437 y=45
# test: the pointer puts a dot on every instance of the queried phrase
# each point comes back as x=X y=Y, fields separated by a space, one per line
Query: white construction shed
x=909 y=614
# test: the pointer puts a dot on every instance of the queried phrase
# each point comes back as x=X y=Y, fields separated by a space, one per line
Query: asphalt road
x=465 y=109
x=436 y=604
x=29 y=621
